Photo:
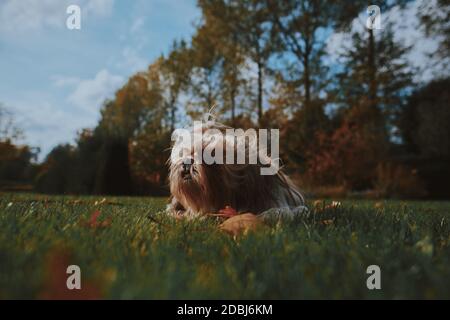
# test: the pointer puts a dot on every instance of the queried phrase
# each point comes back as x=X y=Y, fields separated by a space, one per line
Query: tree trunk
x=372 y=72
x=172 y=113
x=260 y=91
x=306 y=74
x=307 y=83
x=233 y=106
x=113 y=176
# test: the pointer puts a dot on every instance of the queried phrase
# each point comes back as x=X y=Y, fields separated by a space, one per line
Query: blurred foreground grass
x=133 y=250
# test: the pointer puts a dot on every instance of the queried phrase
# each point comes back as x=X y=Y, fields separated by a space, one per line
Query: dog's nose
x=187 y=167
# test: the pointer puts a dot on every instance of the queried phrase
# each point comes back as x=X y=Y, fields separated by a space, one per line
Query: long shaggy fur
x=210 y=188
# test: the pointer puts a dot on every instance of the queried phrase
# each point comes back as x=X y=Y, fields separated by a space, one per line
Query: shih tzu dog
x=213 y=166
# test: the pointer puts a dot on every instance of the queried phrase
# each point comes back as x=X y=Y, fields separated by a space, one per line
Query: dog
x=198 y=188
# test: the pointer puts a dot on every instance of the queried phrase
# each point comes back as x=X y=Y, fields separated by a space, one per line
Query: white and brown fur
x=198 y=189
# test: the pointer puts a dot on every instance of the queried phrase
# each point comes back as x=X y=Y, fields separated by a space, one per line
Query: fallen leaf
x=379 y=205
x=333 y=205
x=227 y=212
x=93 y=221
x=327 y=222
x=94 y=217
x=241 y=223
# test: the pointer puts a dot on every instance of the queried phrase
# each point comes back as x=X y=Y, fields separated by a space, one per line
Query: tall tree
x=175 y=72
x=138 y=105
x=370 y=90
x=374 y=86
x=255 y=35
x=424 y=120
x=222 y=20
x=346 y=14
x=242 y=34
x=301 y=25
x=204 y=86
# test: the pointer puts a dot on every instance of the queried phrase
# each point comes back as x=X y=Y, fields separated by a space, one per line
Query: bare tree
x=8 y=128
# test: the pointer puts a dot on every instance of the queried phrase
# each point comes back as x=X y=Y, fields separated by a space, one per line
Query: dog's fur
x=210 y=188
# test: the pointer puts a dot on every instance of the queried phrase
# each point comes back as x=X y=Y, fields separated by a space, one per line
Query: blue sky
x=54 y=79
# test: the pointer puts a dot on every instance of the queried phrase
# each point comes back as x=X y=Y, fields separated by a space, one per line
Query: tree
x=56 y=171
x=237 y=92
x=138 y=113
x=300 y=86
x=175 y=72
x=435 y=22
x=298 y=24
x=255 y=35
x=9 y=131
x=17 y=165
x=204 y=87
x=17 y=162
x=424 y=121
x=86 y=161
x=241 y=33
x=369 y=92
x=137 y=102
x=374 y=87
x=345 y=158
x=365 y=39
x=425 y=134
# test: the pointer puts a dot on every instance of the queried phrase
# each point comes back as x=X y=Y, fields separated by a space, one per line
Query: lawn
x=127 y=248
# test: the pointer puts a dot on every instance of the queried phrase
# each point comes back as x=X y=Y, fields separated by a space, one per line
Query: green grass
x=140 y=257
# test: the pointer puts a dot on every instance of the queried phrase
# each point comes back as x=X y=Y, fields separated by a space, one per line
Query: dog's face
x=198 y=186
x=190 y=184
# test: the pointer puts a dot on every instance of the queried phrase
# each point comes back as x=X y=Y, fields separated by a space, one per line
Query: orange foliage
x=347 y=157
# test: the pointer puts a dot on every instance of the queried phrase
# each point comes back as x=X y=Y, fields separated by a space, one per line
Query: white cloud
x=45 y=123
x=64 y=81
x=100 y=7
x=18 y=16
x=135 y=39
x=132 y=61
x=89 y=94
x=30 y=14
x=137 y=25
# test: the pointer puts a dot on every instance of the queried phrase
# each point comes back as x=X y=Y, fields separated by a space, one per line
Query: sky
x=55 y=80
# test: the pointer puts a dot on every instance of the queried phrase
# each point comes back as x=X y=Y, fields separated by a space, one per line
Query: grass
x=137 y=252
